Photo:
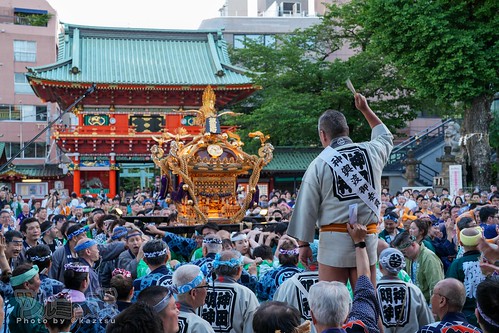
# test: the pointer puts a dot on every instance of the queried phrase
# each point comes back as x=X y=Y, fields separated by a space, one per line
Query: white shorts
x=337 y=249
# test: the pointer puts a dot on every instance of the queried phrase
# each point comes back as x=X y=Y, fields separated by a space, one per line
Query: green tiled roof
x=36 y=171
x=292 y=158
x=141 y=57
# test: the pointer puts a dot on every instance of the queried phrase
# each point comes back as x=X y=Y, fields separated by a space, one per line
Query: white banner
x=455 y=179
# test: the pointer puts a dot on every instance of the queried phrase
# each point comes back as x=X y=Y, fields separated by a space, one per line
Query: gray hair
x=185 y=274
x=213 y=247
x=333 y=123
x=329 y=302
x=225 y=270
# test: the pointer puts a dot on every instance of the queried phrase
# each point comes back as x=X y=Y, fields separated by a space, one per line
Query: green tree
x=447 y=51
x=301 y=79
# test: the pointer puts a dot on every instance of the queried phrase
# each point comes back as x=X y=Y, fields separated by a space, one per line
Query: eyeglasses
x=441 y=296
x=202 y=287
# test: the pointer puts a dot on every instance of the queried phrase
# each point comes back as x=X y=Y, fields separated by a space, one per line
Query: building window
x=34 y=150
x=289 y=8
x=33 y=17
x=24 y=51
x=24 y=112
x=21 y=85
x=12 y=148
x=267 y=40
x=10 y=112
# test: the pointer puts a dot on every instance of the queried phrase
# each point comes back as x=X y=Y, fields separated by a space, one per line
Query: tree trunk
x=476 y=140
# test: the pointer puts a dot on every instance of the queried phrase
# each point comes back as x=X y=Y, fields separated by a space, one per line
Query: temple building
x=147 y=83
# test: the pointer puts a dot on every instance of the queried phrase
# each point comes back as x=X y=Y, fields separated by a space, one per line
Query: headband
x=293 y=252
x=212 y=241
x=156 y=254
x=63 y=295
x=485 y=317
x=235 y=238
x=469 y=240
x=124 y=272
x=48 y=229
x=133 y=235
x=119 y=232
x=85 y=245
x=39 y=259
x=26 y=276
x=391 y=218
x=233 y=262
x=405 y=245
x=77 y=232
x=191 y=285
x=392 y=260
x=77 y=268
x=164 y=302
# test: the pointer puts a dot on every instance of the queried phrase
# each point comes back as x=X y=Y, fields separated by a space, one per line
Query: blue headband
x=119 y=232
x=85 y=245
x=391 y=218
x=134 y=234
x=233 y=262
x=26 y=276
x=191 y=285
x=77 y=232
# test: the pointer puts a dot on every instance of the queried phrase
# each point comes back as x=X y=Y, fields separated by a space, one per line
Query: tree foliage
x=446 y=50
x=301 y=78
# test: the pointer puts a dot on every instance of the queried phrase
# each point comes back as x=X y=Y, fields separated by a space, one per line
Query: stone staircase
x=430 y=138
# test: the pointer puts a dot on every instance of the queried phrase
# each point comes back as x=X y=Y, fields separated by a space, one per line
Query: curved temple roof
x=141 y=59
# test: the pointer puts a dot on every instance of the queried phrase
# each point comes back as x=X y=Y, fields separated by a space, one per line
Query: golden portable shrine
x=208 y=167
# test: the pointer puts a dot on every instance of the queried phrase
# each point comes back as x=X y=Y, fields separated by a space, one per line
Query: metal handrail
x=418 y=142
x=419 y=135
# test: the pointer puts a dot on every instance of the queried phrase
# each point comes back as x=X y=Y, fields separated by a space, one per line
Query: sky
x=157 y=14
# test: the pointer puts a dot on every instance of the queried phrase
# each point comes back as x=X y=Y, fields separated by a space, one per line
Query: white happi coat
x=230 y=307
x=324 y=197
x=403 y=306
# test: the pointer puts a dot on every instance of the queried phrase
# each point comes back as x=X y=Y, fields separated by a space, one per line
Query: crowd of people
x=86 y=269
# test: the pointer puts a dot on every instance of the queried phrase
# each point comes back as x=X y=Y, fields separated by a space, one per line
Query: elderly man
x=330 y=301
x=423 y=266
x=230 y=306
x=403 y=306
x=447 y=303
x=191 y=287
x=344 y=174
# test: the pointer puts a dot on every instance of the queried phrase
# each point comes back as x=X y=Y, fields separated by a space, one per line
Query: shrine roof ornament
x=140 y=59
x=208 y=166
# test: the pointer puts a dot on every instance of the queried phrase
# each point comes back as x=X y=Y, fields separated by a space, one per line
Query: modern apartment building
x=264 y=19
x=28 y=38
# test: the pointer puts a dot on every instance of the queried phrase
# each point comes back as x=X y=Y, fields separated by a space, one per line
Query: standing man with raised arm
x=345 y=175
